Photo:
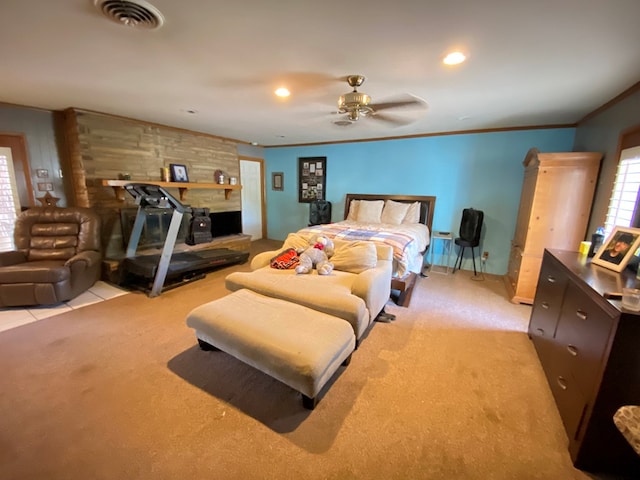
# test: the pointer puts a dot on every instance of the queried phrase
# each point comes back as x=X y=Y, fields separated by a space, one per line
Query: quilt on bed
x=408 y=241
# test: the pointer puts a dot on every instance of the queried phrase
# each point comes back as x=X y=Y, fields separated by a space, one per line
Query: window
x=8 y=200
x=624 y=198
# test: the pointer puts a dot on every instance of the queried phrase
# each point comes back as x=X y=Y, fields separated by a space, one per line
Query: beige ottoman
x=298 y=346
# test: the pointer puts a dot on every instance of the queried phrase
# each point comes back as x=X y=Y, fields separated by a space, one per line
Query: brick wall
x=101 y=147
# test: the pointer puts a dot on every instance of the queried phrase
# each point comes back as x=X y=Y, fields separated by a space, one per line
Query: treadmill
x=169 y=269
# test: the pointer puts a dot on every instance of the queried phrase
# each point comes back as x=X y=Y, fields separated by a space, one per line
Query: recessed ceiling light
x=454 y=58
x=254 y=143
x=282 y=92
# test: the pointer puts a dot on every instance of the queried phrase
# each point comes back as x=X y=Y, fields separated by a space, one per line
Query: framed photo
x=312 y=176
x=277 y=181
x=178 y=173
x=618 y=249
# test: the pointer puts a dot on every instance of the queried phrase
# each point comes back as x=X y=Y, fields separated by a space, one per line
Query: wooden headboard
x=427 y=204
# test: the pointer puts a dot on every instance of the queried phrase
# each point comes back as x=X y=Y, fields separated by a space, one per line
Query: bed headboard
x=427 y=204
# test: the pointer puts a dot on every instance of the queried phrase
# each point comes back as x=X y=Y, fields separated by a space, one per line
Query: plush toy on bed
x=317 y=255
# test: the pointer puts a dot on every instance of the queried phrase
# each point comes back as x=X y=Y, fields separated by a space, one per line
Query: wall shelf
x=183 y=187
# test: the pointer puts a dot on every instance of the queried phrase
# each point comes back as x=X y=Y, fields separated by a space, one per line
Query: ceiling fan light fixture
x=352 y=100
x=357 y=104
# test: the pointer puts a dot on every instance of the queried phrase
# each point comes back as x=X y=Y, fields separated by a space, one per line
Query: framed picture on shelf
x=618 y=249
x=312 y=175
x=178 y=172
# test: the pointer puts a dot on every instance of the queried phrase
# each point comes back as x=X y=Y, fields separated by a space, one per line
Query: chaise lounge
x=356 y=291
x=298 y=328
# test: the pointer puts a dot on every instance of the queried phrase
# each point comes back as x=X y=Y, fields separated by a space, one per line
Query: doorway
x=252 y=194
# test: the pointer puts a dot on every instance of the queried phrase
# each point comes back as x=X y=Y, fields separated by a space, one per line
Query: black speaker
x=319 y=212
x=199 y=227
x=471 y=225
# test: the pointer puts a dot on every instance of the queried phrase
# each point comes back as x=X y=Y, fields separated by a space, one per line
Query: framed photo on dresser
x=618 y=249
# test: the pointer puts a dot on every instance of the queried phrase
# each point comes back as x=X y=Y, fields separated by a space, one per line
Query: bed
x=402 y=221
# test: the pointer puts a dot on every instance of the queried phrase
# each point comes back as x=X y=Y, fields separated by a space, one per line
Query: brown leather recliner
x=57 y=256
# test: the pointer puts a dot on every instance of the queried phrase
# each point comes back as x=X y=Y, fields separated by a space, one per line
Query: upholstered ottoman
x=298 y=346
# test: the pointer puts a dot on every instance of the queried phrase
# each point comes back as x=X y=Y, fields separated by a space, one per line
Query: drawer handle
x=540 y=331
x=562 y=383
x=573 y=350
x=551 y=279
x=545 y=305
x=581 y=315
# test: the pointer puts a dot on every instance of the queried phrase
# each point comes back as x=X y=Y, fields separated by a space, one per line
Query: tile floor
x=15 y=316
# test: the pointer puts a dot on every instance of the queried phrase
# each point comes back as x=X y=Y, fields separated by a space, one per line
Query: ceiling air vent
x=132 y=13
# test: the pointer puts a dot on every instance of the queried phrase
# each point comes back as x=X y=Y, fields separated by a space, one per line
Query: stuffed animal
x=317 y=255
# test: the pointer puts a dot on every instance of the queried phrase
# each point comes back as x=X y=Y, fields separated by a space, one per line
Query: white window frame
x=9 y=200
x=624 y=197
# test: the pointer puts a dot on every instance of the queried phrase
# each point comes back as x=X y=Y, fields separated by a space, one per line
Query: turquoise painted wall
x=482 y=171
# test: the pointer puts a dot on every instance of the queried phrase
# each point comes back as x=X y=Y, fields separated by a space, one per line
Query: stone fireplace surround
x=102 y=147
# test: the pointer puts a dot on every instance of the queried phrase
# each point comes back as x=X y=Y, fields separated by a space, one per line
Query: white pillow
x=413 y=214
x=296 y=241
x=369 y=211
x=354 y=257
x=394 y=212
x=353 y=210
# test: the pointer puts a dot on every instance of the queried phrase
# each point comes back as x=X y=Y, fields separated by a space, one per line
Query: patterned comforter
x=408 y=241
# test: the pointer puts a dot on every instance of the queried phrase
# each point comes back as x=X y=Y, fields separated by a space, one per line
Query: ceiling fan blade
x=391 y=119
x=299 y=83
x=406 y=101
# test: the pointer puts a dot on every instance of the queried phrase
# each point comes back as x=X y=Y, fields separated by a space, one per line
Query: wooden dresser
x=589 y=348
x=555 y=204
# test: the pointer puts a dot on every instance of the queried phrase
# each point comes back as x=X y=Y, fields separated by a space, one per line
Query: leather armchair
x=57 y=256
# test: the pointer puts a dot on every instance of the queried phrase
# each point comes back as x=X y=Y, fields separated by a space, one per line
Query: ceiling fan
x=355 y=104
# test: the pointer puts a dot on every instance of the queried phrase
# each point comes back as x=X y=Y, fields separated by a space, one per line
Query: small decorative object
x=178 y=172
x=312 y=175
x=125 y=176
x=233 y=181
x=164 y=174
x=317 y=255
x=584 y=248
x=277 y=181
x=631 y=299
x=596 y=241
x=618 y=249
x=48 y=200
x=219 y=177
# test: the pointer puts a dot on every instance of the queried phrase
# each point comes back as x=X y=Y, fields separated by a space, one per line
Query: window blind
x=8 y=200
x=624 y=197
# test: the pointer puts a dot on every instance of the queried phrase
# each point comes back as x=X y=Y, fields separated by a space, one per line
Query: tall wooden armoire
x=555 y=205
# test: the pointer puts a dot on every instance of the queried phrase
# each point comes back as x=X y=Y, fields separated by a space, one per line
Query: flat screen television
x=226 y=223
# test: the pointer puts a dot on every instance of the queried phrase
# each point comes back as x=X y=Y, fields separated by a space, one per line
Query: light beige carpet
x=119 y=390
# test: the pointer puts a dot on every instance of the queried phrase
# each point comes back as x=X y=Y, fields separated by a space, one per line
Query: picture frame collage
x=312 y=175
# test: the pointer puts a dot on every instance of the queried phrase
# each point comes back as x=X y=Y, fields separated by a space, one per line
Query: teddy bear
x=317 y=254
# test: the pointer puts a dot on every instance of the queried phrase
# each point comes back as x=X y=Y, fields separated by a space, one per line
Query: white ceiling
x=530 y=62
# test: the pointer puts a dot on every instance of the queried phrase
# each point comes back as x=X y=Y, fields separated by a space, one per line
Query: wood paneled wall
x=101 y=147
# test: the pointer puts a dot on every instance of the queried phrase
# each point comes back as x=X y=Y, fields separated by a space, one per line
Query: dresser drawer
x=569 y=398
x=582 y=336
x=548 y=301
